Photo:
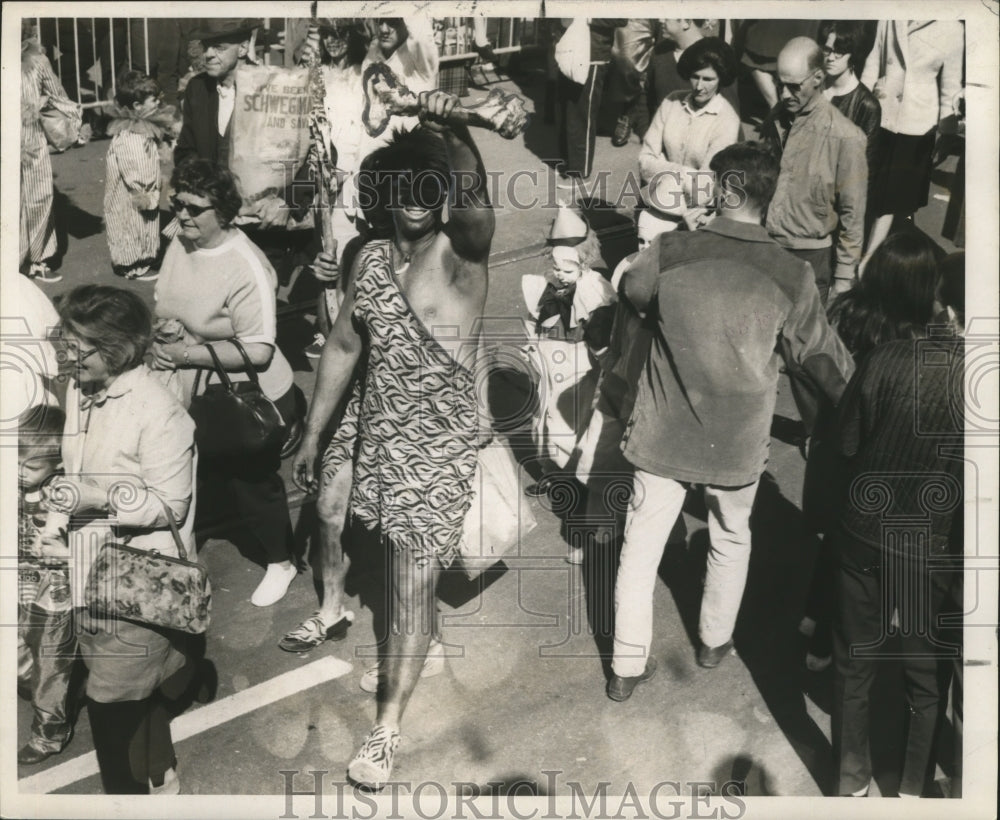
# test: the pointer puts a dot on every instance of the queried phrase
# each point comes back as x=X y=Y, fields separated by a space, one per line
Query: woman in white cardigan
x=690 y=127
x=915 y=70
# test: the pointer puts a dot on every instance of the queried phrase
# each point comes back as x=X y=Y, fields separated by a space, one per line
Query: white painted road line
x=196 y=721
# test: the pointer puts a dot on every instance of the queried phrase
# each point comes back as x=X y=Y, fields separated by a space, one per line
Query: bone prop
x=385 y=96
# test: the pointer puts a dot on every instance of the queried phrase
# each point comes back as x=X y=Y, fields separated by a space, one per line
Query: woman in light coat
x=915 y=71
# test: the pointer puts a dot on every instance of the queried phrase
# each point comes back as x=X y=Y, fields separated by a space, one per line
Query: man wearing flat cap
x=210 y=97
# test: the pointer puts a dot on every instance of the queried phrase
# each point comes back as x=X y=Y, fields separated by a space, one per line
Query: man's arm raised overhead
x=471 y=221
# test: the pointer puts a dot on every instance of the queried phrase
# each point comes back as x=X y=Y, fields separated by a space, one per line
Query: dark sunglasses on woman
x=178 y=205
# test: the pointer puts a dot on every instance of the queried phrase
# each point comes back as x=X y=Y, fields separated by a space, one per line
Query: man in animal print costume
x=411 y=316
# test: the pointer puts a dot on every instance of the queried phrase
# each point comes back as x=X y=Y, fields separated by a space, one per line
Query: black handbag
x=148 y=587
x=235 y=418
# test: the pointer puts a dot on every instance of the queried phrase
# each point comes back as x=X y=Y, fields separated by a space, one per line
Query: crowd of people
x=770 y=241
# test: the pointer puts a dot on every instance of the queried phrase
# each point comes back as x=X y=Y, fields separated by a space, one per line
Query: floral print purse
x=154 y=589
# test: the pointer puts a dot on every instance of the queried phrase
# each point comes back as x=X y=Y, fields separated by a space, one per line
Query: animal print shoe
x=372 y=765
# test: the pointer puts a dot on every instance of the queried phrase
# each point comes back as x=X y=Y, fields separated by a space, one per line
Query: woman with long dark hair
x=897 y=541
x=894 y=300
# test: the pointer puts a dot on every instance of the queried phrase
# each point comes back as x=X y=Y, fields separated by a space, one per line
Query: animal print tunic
x=416 y=423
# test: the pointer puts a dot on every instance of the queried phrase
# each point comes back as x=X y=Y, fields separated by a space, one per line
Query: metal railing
x=516 y=32
x=89 y=53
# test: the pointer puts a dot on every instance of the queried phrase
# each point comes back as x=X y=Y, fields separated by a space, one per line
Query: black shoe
x=620 y=688
x=29 y=755
x=623 y=130
x=711 y=656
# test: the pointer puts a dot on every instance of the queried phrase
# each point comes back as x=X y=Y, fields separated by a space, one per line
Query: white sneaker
x=171 y=783
x=274 y=585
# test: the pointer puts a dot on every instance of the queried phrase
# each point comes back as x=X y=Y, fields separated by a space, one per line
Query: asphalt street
x=521 y=702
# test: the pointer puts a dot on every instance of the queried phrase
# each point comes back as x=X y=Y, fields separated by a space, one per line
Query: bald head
x=800 y=73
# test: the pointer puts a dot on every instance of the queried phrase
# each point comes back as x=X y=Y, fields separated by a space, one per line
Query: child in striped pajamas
x=132 y=188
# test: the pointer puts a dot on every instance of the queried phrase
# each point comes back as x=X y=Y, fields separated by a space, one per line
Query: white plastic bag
x=497 y=519
x=573 y=51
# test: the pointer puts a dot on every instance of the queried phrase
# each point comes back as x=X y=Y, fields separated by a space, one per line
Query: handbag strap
x=221 y=371
x=251 y=370
x=173 y=527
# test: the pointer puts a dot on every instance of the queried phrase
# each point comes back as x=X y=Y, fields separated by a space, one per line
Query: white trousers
x=655 y=506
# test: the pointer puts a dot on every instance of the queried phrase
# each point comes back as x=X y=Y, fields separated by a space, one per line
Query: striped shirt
x=224 y=292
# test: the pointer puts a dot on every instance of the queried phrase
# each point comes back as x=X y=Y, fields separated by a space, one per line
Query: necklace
x=407 y=255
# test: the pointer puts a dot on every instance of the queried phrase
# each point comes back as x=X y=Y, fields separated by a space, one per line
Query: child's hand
x=66 y=495
x=53 y=546
x=145 y=200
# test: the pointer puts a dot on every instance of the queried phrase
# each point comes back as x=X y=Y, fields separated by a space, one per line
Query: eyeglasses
x=179 y=205
x=80 y=355
x=793 y=88
x=832 y=52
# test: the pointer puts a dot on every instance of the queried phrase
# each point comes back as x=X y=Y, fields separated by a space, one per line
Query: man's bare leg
x=413 y=622
x=331 y=621
x=331 y=509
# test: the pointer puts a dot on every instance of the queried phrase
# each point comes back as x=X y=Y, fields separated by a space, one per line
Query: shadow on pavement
x=780 y=569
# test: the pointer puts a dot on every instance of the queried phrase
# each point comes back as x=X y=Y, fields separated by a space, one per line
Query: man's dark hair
x=709 y=52
x=135 y=87
x=202 y=177
x=413 y=166
x=748 y=170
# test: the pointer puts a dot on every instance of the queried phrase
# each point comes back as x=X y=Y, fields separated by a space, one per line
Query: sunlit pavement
x=521 y=703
